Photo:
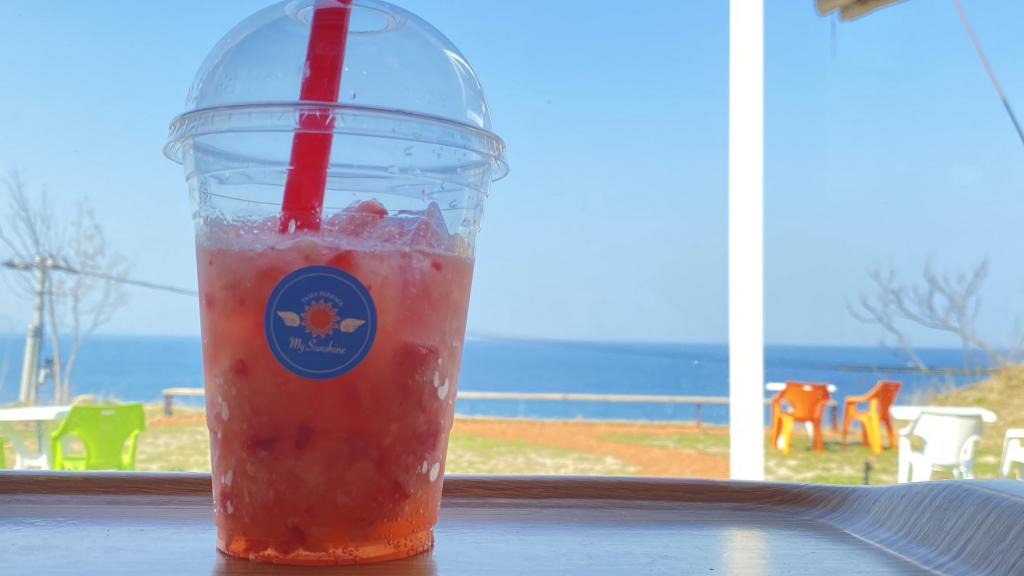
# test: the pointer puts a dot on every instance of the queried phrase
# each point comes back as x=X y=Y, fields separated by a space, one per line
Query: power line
x=141 y=283
x=988 y=68
x=33 y=337
x=51 y=264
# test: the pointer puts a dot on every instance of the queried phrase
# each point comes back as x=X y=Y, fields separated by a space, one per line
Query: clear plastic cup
x=331 y=357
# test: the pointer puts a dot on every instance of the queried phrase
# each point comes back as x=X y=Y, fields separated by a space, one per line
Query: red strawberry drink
x=344 y=468
x=336 y=216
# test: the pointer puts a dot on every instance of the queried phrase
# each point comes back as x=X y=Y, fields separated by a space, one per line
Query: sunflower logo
x=320 y=318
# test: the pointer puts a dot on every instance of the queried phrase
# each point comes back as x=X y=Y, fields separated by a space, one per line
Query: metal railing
x=696 y=401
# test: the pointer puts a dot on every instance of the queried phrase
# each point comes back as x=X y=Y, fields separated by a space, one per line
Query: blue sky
x=896 y=151
x=612 y=223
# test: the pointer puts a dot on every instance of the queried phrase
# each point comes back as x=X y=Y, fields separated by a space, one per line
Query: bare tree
x=948 y=303
x=880 y=308
x=83 y=292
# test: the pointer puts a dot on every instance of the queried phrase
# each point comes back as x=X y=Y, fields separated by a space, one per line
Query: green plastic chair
x=104 y=430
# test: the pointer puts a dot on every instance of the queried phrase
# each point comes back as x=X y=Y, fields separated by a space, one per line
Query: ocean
x=139 y=368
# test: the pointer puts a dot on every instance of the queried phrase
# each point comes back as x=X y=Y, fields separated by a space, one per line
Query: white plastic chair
x=949 y=441
x=1013 y=453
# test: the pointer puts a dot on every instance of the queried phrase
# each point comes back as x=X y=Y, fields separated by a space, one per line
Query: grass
x=470 y=454
x=837 y=465
x=708 y=442
x=180 y=444
x=185 y=448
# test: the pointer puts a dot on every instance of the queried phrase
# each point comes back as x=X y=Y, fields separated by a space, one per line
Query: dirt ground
x=601 y=440
x=591 y=437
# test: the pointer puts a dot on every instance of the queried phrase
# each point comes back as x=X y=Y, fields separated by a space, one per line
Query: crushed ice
x=353 y=227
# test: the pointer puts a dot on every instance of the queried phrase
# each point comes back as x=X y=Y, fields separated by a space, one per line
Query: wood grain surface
x=104 y=523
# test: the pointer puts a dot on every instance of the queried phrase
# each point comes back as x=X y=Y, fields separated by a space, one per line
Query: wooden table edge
x=682 y=490
x=949 y=527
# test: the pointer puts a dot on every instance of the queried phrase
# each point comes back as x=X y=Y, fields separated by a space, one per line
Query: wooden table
x=160 y=524
x=40 y=415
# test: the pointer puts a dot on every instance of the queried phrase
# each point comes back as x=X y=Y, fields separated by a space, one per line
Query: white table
x=25 y=458
x=912 y=412
x=779 y=386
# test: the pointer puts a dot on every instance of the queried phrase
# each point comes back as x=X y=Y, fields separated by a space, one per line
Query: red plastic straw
x=311 y=146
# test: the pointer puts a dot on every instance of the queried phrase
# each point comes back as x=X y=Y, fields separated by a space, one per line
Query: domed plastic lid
x=395 y=64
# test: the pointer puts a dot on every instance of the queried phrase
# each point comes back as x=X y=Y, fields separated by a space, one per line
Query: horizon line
x=495 y=336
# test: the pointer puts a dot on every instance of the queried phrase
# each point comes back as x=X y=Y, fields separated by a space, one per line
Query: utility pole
x=30 y=375
x=34 y=337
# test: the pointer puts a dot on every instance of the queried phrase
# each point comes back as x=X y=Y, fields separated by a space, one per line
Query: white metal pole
x=746 y=239
x=28 y=394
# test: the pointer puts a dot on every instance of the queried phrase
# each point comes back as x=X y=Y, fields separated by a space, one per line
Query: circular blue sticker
x=320 y=322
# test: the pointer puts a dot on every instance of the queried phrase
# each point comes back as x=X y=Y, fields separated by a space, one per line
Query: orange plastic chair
x=806 y=403
x=878 y=399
